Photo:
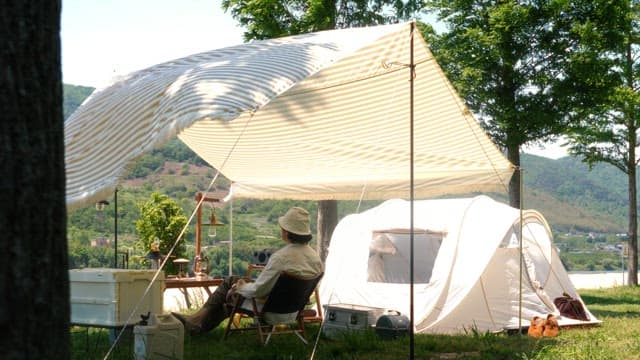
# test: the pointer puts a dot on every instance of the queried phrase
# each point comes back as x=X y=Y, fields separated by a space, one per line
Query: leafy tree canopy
x=162 y=220
x=265 y=19
x=493 y=54
x=609 y=49
x=607 y=38
x=519 y=66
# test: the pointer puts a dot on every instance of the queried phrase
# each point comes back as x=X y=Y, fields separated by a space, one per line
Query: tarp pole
x=230 y=236
x=115 y=228
x=521 y=254
x=411 y=195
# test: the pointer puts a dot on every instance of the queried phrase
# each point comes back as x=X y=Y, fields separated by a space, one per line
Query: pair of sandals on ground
x=541 y=327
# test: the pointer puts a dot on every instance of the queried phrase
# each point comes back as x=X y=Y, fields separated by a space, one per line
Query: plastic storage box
x=161 y=338
x=113 y=297
x=346 y=317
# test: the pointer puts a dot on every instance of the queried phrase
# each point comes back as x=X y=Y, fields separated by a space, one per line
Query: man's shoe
x=192 y=328
x=180 y=317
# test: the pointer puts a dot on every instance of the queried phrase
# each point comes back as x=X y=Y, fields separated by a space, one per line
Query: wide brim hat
x=296 y=221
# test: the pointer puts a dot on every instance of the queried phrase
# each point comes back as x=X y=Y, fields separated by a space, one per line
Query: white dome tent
x=466 y=269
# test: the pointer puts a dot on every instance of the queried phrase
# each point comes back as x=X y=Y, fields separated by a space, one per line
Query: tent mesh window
x=389 y=255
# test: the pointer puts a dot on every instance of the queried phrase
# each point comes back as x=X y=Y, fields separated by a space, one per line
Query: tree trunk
x=633 y=215
x=327 y=221
x=631 y=167
x=513 y=154
x=34 y=282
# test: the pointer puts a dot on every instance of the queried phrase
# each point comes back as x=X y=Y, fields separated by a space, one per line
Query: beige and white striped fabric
x=317 y=116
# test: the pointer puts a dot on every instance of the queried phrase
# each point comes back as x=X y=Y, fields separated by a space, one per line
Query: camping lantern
x=154 y=255
x=202 y=265
x=213 y=223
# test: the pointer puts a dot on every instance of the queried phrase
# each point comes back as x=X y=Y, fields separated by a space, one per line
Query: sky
x=548 y=150
x=104 y=39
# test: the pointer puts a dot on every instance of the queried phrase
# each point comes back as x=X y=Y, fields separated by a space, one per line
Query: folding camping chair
x=289 y=295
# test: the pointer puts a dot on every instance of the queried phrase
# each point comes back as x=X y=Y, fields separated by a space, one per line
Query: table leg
x=186 y=297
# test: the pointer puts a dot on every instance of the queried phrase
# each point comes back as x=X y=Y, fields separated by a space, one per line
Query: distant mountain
x=73 y=96
x=572 y=197
x=565 y=191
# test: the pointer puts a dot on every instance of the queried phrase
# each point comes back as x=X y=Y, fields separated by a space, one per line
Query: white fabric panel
x=393 y=267
x=480 y=229
x=316 y=116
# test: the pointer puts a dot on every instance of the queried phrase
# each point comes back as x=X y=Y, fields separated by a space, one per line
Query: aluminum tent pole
x=230 y=235
x=115 y=228
x=411 y=195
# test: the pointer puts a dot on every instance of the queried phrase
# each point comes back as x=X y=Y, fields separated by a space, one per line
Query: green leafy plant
x=161 y=218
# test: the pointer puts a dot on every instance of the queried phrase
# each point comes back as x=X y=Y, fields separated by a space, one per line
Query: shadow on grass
x=617 y=302
x=610 y=341
x=363 y=344
x=603 y=300
x=96 y=343
x=619 y=305
x=611 y=296
x=616 y=314
x=356 y=345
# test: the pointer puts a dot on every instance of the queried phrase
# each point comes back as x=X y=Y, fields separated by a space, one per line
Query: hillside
x=73 y=96
x=572 y=197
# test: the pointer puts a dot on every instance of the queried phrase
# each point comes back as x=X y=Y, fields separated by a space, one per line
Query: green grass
x=618 y=338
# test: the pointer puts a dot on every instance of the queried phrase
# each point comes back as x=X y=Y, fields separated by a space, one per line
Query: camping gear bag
x=392 y=326
x=570 y=307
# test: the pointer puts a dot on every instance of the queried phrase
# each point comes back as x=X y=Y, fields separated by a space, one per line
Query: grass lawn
x=617 y=338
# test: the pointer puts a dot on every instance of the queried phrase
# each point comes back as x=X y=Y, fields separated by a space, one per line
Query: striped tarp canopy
x=318 y=116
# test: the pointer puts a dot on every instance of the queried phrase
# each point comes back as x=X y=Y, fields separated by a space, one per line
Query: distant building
x=100 y=241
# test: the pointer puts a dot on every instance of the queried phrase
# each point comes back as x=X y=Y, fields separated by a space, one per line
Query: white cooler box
x=161 y=338
x=346 y=317
x=107 y=297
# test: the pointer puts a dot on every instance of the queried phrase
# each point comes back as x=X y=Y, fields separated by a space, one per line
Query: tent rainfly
x=466 y=270
x=318 y=116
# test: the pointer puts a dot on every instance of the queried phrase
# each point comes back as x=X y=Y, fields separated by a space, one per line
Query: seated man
x=296 y=257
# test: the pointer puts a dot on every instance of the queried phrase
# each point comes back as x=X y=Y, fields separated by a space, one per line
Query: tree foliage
x=502 y=59
x=161 y=219
x=608 y=45
x=265 y=19
x=492 y=54
x=607 y=131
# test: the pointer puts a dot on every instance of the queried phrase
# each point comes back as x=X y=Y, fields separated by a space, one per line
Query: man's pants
x=216 y=306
